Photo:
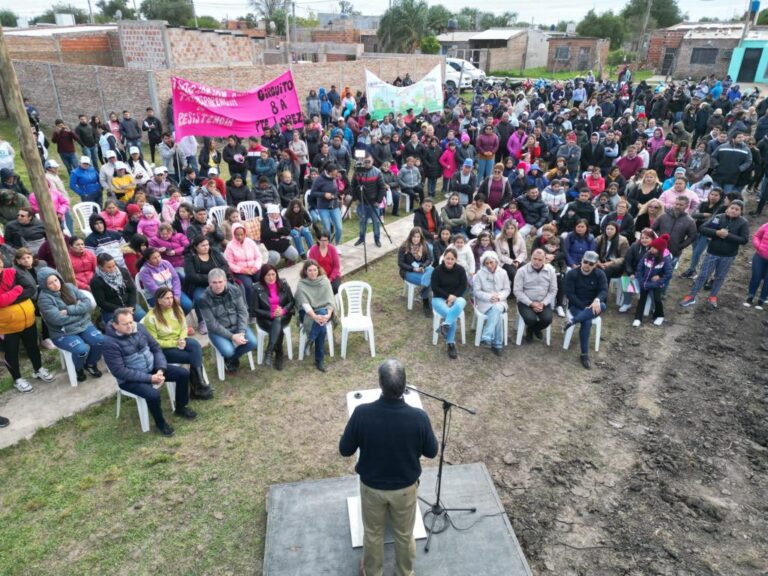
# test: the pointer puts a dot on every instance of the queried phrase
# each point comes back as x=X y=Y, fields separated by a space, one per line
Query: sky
x=528 y=11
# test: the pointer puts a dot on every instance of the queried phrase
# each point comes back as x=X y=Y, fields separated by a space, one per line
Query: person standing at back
x=391 y=437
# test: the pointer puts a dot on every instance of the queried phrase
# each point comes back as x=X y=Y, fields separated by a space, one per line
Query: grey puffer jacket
x=51 y=306
x=225 y=314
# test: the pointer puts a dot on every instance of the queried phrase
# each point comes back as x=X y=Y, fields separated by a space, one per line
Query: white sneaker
x=560 y=312
x=636 y=323
x=23 y=385
x=48 y=344
x=624 y=308
x=658 y=321
x=44 y=375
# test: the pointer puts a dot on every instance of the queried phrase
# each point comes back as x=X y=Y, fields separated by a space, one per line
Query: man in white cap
x=141 y=170
x=586 y=288
x=107 y=171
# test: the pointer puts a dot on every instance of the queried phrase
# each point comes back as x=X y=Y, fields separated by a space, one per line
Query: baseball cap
x=111 y=154
x=85 y=159
x=590 y=256
x=134 y=150
x=51 y=164
x=213 y=171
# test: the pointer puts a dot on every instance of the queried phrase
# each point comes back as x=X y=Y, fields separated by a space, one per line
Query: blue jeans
x=317 y=334
x=152 y=395
x=247 y=283
x=68 y=223
x=138 y=314
x=93 y=154
x=449 y=314
x=584 y=316
x=431 y=186
x=70 y=160
x=699 y=247
x=484 y=168
x=192 y=161
x=129 y=143
x=423 y=279
x=759 y=274
x=493 y=329
x=298 y=236
x=85 y=347
x=717 y=264
x=227 y=349
x=186 y=303
x=332 y=217
x=97 y=197
x=192 y=354
x=367 y=212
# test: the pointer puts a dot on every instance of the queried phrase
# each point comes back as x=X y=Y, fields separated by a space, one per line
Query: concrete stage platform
x=308 y=529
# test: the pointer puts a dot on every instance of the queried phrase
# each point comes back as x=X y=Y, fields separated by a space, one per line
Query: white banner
x=384 y=98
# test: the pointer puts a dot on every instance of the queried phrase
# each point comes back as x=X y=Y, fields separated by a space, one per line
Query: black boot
x=427 y=307
x=198 y=388
x=279 y=360
x=268 y=356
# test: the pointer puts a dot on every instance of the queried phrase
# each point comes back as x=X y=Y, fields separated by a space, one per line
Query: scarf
x=275 y=225
x=317 y=293
x=113 y=279
x=415 y=250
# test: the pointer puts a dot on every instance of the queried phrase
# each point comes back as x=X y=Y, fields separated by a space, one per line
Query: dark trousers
x=658 y=303
x=317 y=334
x=511 y=270
x=584 y=316
x=12 y=343
x=274 y=327
x=152 y=395
x=534 y=321
x=192 y=354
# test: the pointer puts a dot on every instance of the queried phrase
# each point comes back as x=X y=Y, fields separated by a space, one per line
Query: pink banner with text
x=202 y=110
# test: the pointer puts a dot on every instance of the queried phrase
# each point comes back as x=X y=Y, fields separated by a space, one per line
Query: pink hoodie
x=241 y=256
x=60 y=202
x=176 y=244
x=116 y=222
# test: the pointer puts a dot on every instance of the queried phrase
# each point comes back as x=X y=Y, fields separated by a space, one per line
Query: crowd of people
x=552 y=191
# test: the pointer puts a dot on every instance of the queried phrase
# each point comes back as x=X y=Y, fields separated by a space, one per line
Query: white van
x=452 y=79
x=470 y=70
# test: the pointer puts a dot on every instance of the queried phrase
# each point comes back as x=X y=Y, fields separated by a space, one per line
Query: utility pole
x=646 y=18
x=287 y=39
x=90 y=12
x=31 y=156
x=194 y=13
x=293 y=11
x=747 y=22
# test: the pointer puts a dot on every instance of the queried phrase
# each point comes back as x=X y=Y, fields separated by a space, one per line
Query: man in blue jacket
x=138 y=364
x=391 y=436
x=586 y=288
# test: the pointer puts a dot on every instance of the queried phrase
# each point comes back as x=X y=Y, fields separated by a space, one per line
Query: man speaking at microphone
x=392 y=436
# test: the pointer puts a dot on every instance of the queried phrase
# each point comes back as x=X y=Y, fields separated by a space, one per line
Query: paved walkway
x=50 y=402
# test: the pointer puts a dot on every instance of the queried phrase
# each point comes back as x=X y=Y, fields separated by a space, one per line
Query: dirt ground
x=655 y=462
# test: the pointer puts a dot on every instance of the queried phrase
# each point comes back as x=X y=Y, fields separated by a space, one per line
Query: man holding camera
x=369 y=190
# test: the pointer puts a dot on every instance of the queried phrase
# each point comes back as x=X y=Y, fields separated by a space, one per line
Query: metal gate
x=666 y=64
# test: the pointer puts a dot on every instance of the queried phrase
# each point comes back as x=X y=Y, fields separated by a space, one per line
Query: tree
x=430 y=45
x=205 y=22
x=606 y=25
x=175 y=12
x=346 y=7
x=762 y=18
x=108 y=9
x=664 y=13
x=468 y=18
x=49 y=16
x=8 y=19
x=265 y=9
x=402 y=27
x=438 y=17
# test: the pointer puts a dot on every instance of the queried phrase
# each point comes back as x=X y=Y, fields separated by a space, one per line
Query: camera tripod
x=365 y=203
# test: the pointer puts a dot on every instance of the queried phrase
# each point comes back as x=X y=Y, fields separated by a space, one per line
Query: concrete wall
x=509 y=58
x=597 y=57
x=538 y=48
x=683 y=66
x=206 y=48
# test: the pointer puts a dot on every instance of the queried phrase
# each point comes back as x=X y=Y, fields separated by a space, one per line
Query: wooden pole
x=29 y=152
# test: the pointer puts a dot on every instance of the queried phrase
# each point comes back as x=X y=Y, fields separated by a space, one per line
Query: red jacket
x=84 y=266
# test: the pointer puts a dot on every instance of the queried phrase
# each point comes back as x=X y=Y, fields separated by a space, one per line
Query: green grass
x=542 y=72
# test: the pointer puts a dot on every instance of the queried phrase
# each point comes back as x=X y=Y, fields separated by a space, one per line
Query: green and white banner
x=384 y=98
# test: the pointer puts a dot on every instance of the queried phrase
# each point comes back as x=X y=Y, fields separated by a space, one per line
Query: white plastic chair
x=262 y=338
x=436 y=318
x=521 y=331
x=82 y=212
x=68 y=364
x=303 y=340
x=410 y=290
x=306 y=199
x=355 y=313
x=220 y=362
x=597 y=325
x=140 y=292
x=478 y=321
x=216 y=214
x=249 y=209
x=141 y=403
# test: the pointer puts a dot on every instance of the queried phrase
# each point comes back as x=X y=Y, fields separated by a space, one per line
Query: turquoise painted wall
x=738 y=55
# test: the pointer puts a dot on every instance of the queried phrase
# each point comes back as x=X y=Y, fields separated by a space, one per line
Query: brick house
x=84 y=44
x=497 y=49
x=693 y=49
x=577 y=54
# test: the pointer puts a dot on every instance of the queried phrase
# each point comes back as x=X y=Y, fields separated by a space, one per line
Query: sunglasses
x=590 y=263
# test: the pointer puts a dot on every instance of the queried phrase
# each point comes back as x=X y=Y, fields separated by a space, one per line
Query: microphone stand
x=436 y=509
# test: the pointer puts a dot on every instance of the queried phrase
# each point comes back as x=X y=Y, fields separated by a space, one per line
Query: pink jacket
x=60 y=201
x=515 y=144
x=760 y=241
x=148 y=227
x=84 y=266
x=169 y=210
x=241 y=256
x=176 y=244
x=448 y=162
x=116 y=222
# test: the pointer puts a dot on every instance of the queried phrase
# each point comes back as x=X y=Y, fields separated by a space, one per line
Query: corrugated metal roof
x=456 y=36
x=714 y=34
x=498 y=34
x=58 y=30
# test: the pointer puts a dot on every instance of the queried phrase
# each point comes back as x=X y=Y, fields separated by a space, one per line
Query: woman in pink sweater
x=448 y=162
x=113 y=216
x=244 y=259
x=759 y=268
x=60 y=204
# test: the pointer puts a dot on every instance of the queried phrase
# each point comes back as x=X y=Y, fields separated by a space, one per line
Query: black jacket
x=371 y=183
x=237 y=194
x=738 y=234
x=277 y=240
x=535 y=212
x=196 y=271
x=633 y=256
x=447 y=282
x=109 y=299
x=420 y=220
x=581 y=289
x=261 y=300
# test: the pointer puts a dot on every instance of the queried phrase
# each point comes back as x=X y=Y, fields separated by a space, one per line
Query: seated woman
x=83 y=262
x=480 y=216
x=171 y=245
x=155 y=272
x=123 y=183
x=510 y=249
x=112 y=288
x=653 y=273
x=315 y=302
x=115 y=218
x=648 y=214
x=244 y=259
x=276 y=237
x=274 y=305
x=326 y=255
x=453 y=214
x=623 y=219
x=479 y=245
x=442 y=241
x=414 y=261
x=577 y=243
x=27 y=265
x=132 y=253
x=611 y=248
x=426 y=218
x=167 y=324
x=17 y=319
x=491 y=289
x=184 y=216
x=199 y=260
x=67 y=311
x=231 y=217
x=449 y=282
x=301 y=226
